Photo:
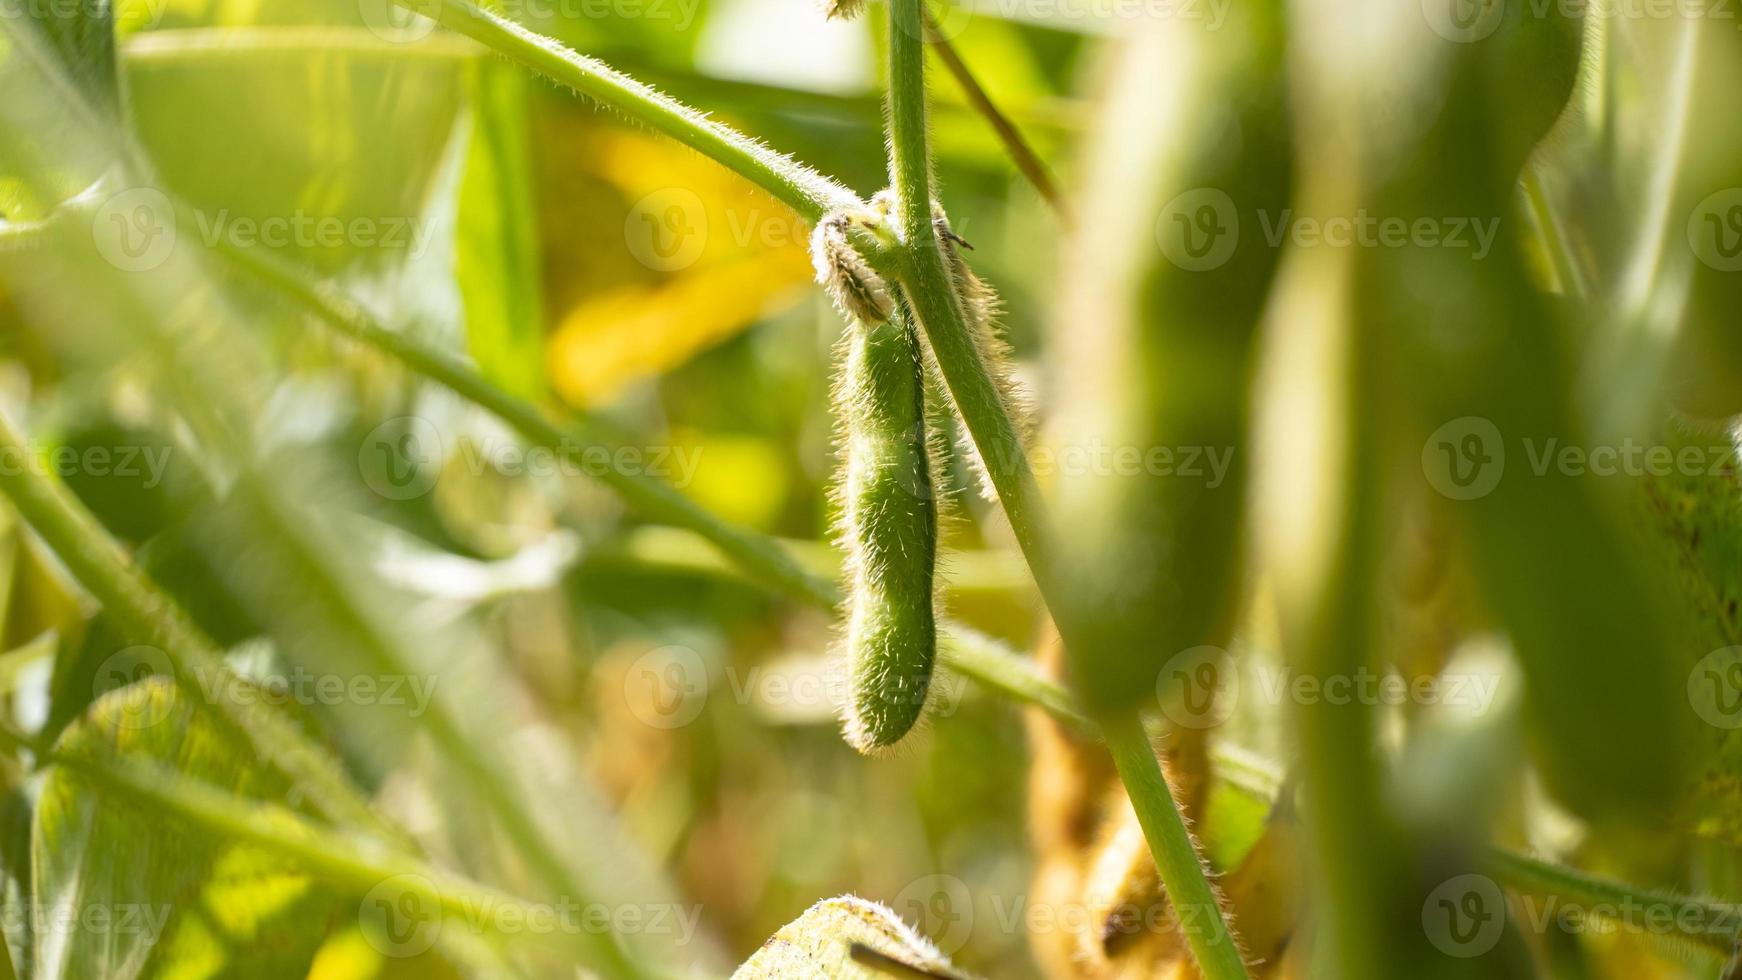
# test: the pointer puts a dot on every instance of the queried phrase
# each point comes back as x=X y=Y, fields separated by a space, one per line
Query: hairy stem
x=1195 y=903
x=930 y=289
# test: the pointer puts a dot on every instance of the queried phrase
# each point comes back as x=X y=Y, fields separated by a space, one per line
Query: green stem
x=992 y=665
x=146 y=614
x=929 y=288
x=1710 y=924
x=762 y=557
x=356 y=867
x=1028 y=163
x=1571 y=277
x=1195 y=903
x=806 y=191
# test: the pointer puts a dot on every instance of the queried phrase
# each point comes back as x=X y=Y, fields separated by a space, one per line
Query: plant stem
x=932 y=292
x=1712 y=925
x=654 y=499
x=1195 y=903
x=1028 y=163
x=145 y=614
x=983 y=659
x=931 y=289
x=1571 y=277
x=354 y=866
x=806 y=191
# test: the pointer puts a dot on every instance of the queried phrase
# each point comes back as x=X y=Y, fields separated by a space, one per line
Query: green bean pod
x=888 y=524
x=1154 y=348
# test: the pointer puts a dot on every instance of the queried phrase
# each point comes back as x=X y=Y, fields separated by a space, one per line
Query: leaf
x=72 y=47
x=213 y=111
x=847 y=938
x=496 y=252
x=83 y=34
x=175 y=900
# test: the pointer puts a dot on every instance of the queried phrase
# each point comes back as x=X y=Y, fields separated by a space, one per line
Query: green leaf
x=225 y=118
x=83 y=35
x=496 y=251
x=157 y=897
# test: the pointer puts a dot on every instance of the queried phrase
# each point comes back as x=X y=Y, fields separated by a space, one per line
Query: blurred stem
x=146 y=614
x=1568 y=274
x=1195 y=903
x=806 y=191
x=654 y=548
x=761 y=556
x=1712 y=925
x=1028 y=163
x=355 y=866
x=1642 y=275
x=988 y=662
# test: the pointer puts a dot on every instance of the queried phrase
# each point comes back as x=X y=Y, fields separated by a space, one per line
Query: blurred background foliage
x=543 y=262
x=582 y=261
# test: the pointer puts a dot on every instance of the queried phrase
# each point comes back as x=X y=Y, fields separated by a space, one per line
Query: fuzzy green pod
x=1154 y=347
x=888 y=525
x=1472 y=353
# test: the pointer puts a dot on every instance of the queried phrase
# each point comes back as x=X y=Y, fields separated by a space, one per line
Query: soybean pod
x=1165 y=285
x=888 y=523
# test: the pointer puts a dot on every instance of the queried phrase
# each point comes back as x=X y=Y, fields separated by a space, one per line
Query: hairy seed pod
x=888 y=511
x=842 y=9
x=857 y=291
